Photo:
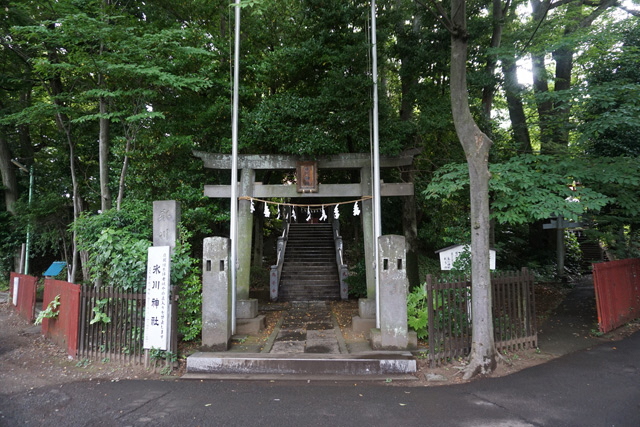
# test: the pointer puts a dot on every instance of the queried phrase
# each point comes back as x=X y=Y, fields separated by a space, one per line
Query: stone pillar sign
x=216 y=293
x=166 y=217
x=394 y=333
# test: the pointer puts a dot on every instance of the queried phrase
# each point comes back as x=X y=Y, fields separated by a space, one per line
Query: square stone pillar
x=247 y=319
x=366 y=319
x=367 y=231
x=216 y=293
x=166 y=217
x=394 y=333
x=245 y=232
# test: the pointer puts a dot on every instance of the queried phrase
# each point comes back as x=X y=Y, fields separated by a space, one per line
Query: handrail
x=343 y=270
x=276 y=269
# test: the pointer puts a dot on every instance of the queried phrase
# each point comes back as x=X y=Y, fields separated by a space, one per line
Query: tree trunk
x=513 y=91
x=9 y=181
x=123 y=174
x=489 y=90
x=410 y=231
x=476 y=145
x=77 y=209
x=103 y=153
x=409 y=81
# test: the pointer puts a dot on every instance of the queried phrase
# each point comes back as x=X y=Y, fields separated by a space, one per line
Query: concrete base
x=375 y=363
x=216 y=347
x=246 y=309
x=362 y=326
x=250 y=326
x=410 y=342
x=367 y=308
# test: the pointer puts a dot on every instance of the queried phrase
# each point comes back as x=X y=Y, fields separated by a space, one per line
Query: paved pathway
x=597 y=387
x=571 y=326
x=308 y=327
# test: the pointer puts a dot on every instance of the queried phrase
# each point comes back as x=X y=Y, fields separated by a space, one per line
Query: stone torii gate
x=248 y=188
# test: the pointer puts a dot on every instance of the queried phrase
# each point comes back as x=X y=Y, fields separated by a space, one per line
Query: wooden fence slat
x=449 y=324
x=120 y=339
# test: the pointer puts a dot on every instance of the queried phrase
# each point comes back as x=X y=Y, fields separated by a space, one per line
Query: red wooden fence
x=63 y=330
x=24 y=300
x=617 y=285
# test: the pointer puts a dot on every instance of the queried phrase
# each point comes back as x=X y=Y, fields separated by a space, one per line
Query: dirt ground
x=28 y=361
x=427 y=376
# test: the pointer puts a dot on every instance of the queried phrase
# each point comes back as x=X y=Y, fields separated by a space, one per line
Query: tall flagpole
x=377 y=220
x=234 y=169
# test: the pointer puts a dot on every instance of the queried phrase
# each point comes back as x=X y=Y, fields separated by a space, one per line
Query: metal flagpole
x=377 y=223
x=234 y=169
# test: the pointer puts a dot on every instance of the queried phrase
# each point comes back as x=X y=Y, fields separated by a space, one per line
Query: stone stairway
x=309 y=271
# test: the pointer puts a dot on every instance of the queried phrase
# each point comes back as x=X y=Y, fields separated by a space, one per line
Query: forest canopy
x=105 y=101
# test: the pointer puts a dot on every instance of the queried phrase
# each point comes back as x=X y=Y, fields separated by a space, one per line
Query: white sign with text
x=16 y=288
x=157 y=309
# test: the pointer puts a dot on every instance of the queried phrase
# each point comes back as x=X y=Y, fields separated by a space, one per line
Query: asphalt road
x=595 y=387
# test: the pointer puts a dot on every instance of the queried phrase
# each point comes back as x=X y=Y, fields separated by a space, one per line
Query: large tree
x=476 y=144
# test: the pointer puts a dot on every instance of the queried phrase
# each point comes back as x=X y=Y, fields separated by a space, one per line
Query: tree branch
x=602 y=7
x=630 y=11
x=438 y=11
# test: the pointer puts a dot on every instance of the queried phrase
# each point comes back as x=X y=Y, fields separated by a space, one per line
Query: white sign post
x=16 y=287
x=157 y=325
x=450 y=254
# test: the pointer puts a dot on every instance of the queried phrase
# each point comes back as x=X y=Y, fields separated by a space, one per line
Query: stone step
x=303 y=263
x=309 y=270
x=317 y=287
x=310 y=244
x=310 y=251
x=313 y=269
x=311 y=281
x=301 y=289
x=308 y=297
x=365 y=364
x=293 y=276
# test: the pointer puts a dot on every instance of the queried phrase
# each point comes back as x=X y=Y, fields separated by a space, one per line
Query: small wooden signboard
x=307 y=177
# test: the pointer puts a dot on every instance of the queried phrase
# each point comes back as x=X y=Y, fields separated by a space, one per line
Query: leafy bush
x=417 y=313
x=190 y=306
x=119 y=259
x=187 y=279
x=357 y=280
x=117 y=243
x=51 y=312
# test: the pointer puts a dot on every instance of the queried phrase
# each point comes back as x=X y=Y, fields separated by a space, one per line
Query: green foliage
x=117 y=242
x=533 y=187
x=610 y=110
x=190 y=306
x=462 y=265
x=357 y=279
x=10 y=238
x=169 y=357
x=119 y=259
x=98 y=315
x=51 y=312
x=417 y=314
